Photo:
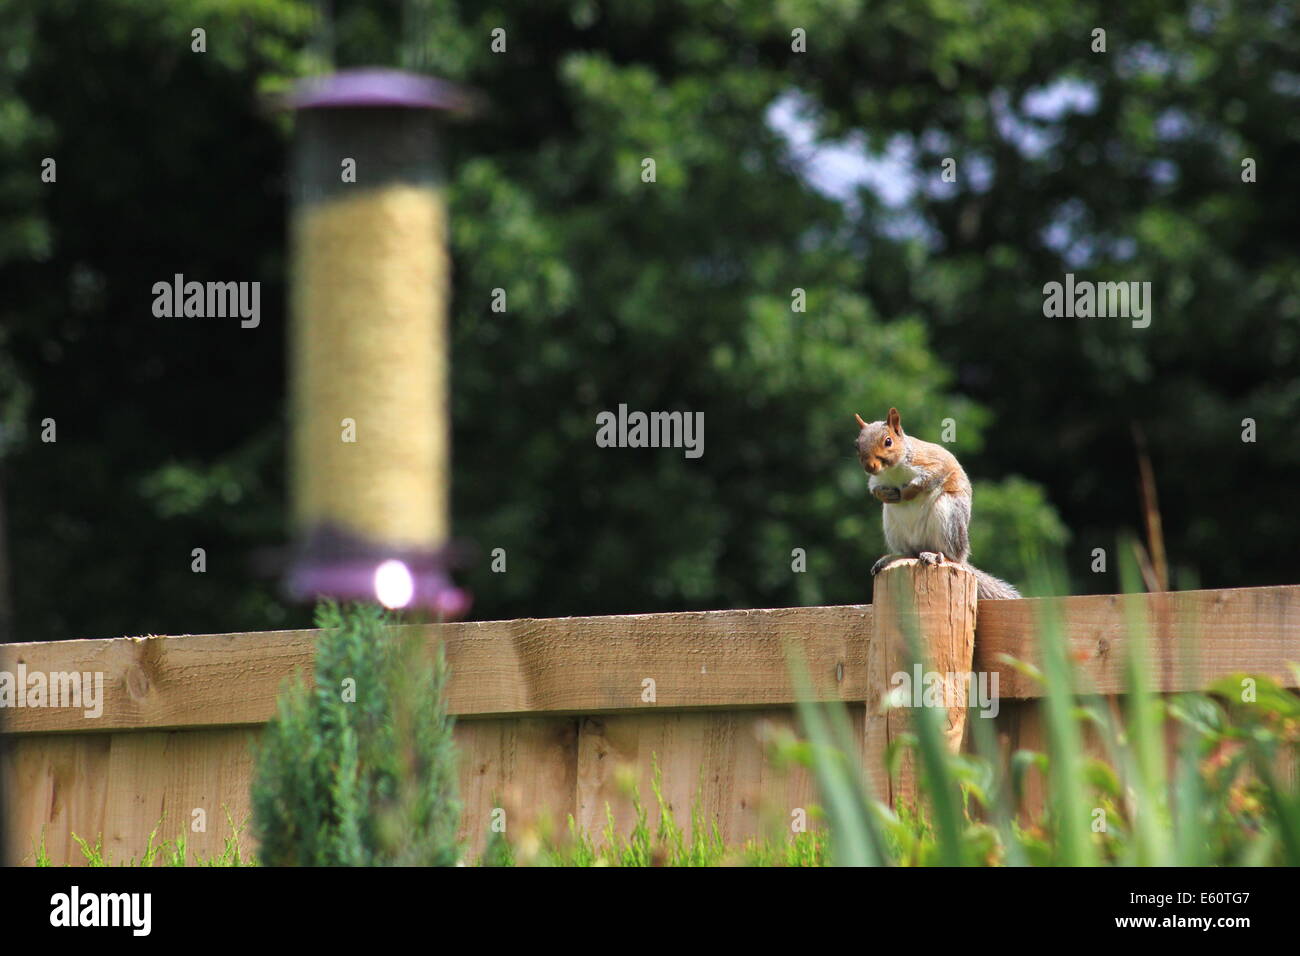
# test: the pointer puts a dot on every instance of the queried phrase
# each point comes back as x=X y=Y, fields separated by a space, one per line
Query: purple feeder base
x=355 y=580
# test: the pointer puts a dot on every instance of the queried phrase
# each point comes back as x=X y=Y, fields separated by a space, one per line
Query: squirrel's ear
x=861 y=423
x=895 y=422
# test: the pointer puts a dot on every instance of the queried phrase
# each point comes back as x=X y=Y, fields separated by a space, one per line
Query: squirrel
x=927 y=499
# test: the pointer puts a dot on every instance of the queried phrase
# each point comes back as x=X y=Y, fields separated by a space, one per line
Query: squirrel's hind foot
x=885 y=562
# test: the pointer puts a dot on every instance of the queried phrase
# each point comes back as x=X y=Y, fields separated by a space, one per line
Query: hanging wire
x=322 y=37
x=417 y=32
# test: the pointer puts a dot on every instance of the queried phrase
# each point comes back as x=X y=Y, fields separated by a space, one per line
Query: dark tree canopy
x=925 y=294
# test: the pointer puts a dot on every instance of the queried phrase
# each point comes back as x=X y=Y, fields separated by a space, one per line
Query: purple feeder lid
x=377 y=87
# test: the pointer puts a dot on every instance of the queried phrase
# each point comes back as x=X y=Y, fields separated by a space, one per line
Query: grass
x=156 y=853
x=667 y=844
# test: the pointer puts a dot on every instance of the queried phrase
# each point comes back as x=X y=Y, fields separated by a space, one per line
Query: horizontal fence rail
x=720 y=659
x=700 y=659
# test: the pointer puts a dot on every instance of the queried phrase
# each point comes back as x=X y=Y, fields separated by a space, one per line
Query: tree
x=671 y=294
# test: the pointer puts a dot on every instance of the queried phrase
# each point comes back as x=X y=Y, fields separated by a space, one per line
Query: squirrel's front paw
x=930 y=557
x=887 y=494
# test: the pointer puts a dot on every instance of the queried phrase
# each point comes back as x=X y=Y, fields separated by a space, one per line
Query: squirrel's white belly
x=916 y=525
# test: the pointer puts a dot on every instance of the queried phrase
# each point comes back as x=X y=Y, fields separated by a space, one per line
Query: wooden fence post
x=939 y=603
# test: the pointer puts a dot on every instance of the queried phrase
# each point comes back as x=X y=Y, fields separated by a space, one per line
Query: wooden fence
x=551 y=714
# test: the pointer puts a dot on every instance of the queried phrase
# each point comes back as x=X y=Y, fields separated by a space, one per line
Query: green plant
x=360 y=770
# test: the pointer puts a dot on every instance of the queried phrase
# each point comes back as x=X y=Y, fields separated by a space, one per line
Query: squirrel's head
x=880 y=444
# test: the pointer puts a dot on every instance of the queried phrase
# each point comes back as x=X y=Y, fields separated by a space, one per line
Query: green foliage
x=360 y=770
x=668 y=295
x=671 y=295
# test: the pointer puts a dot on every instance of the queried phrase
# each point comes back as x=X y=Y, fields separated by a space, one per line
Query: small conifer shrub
x=360 y=770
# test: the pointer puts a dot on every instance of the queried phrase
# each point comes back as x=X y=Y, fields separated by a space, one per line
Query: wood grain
x=121 y=787
x=936 y=607
x=1240 y=630
x=720 y=659
x=706 y=659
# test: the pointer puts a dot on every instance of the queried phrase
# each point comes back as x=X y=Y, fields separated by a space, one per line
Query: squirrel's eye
x=889 y=443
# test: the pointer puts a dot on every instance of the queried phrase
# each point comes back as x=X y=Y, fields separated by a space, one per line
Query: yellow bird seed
x=369 y=363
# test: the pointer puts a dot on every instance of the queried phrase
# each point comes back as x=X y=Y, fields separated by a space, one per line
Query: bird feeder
x=370 y=449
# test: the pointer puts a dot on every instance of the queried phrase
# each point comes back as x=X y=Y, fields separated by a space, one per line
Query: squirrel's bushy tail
x=991 y=588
